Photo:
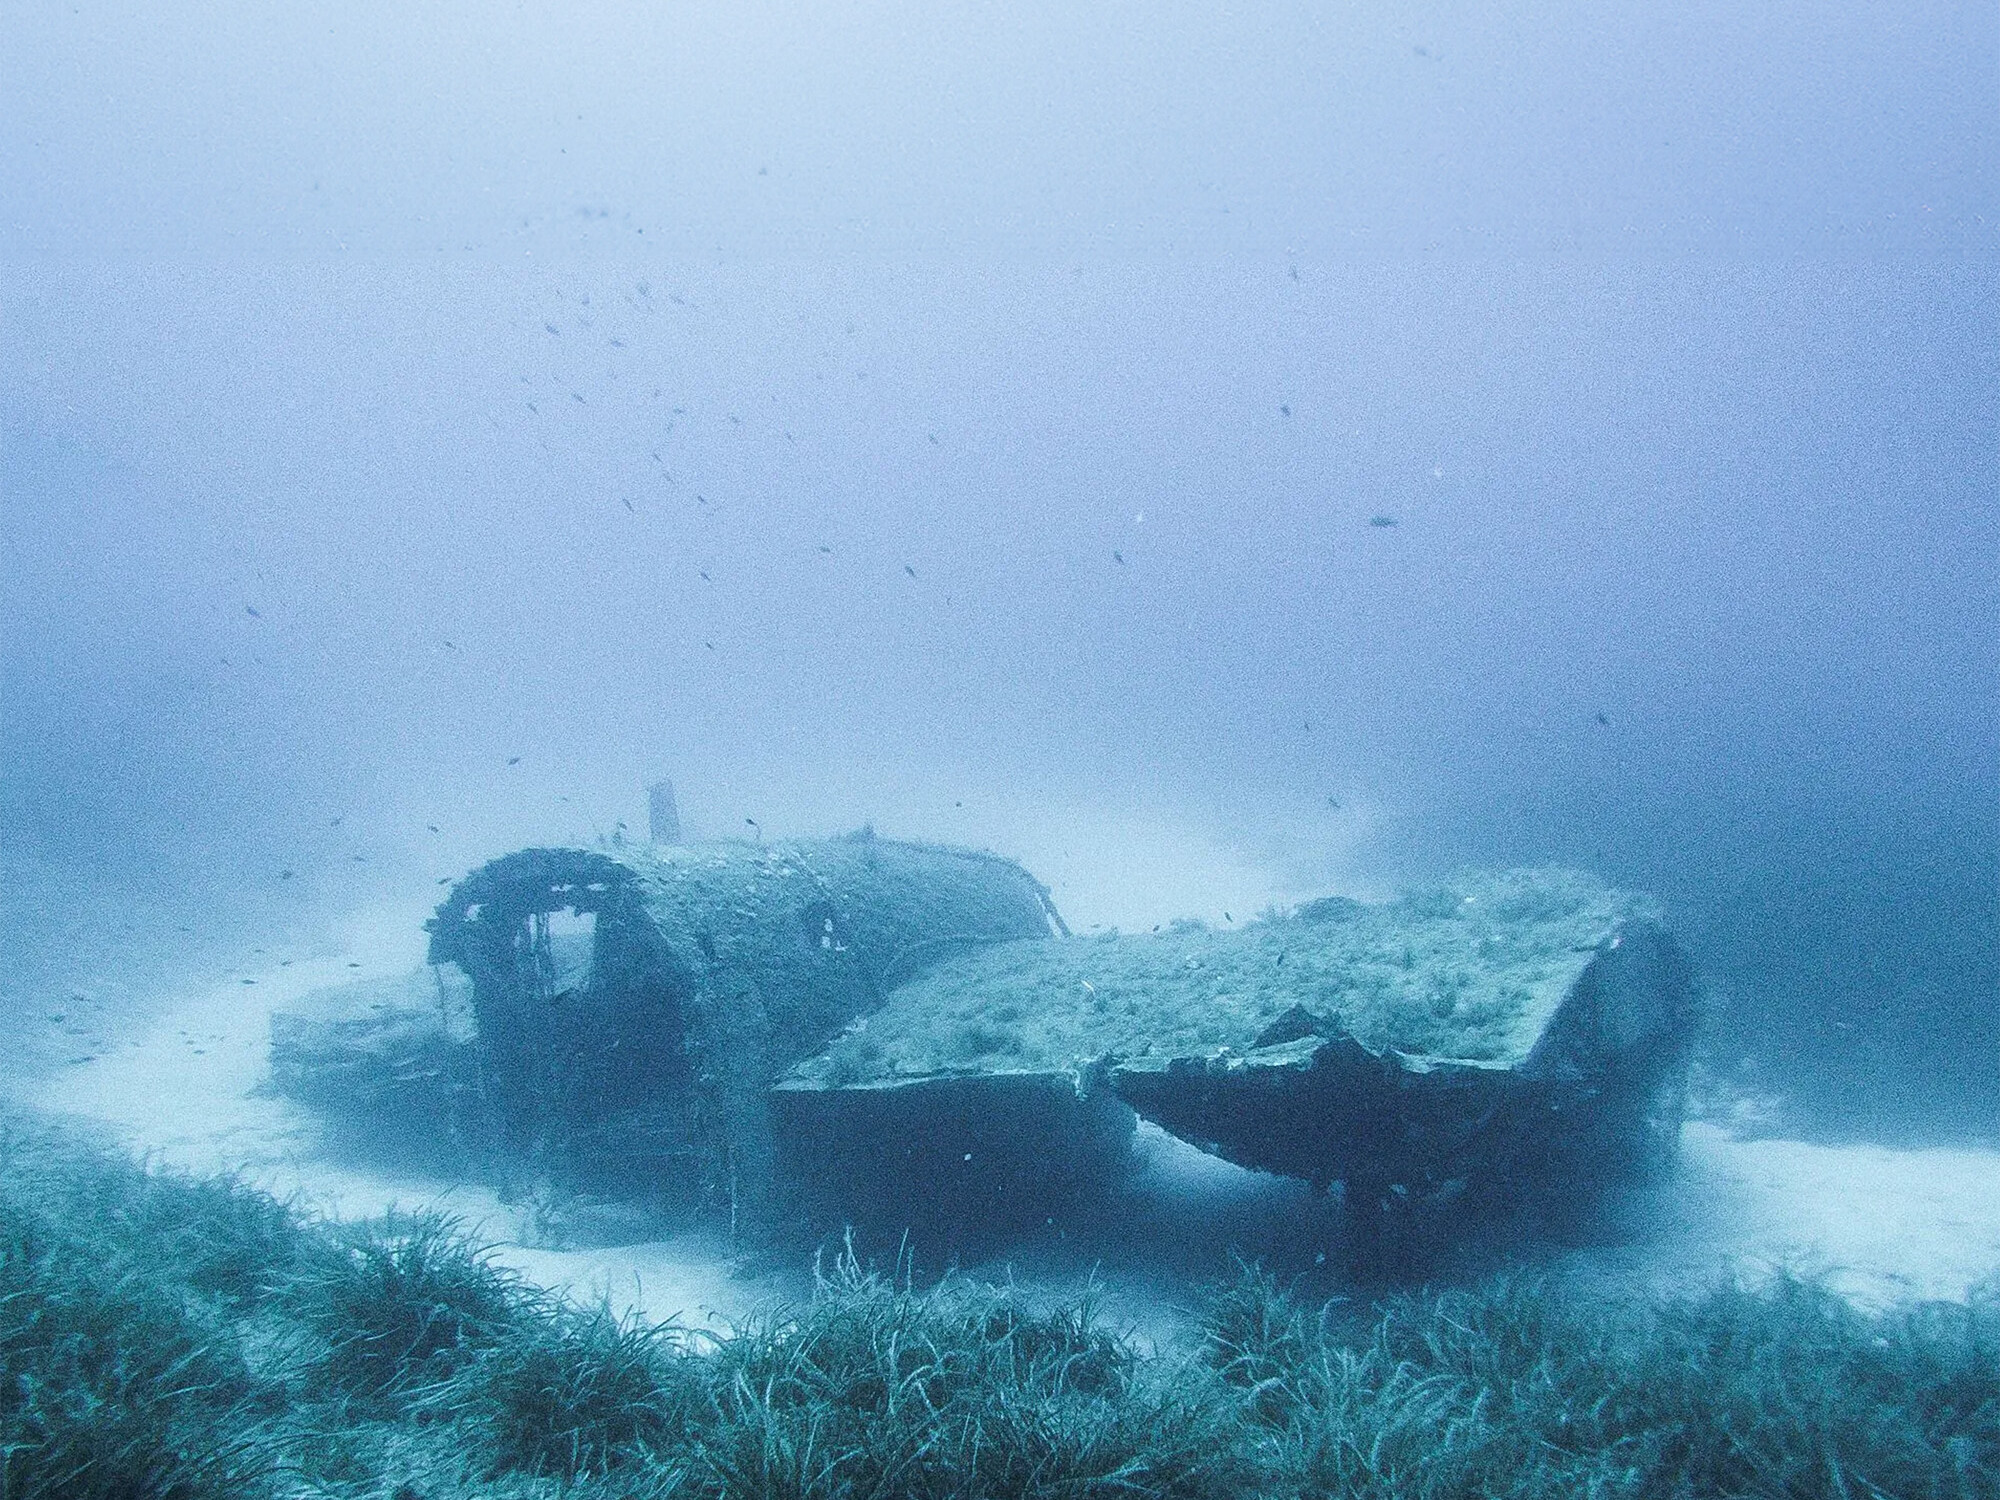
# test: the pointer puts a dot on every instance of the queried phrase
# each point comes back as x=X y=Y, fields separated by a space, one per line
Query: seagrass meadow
x=174 y=1337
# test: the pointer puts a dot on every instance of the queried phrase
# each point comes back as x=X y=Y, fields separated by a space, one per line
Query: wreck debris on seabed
x=885 y=1034
x=1515 y=1044
x=634 y=1006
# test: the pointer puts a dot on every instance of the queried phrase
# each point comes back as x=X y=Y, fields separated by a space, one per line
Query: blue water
x=978 y=420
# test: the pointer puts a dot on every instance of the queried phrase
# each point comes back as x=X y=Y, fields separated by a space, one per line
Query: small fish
x=552 y=328
x=444 y=880
x=629 y=506
x=251 y=611
x=618 y=343
x=284 y=874
x=450 y=646
x=704 y=576
x=1604 y=721
x=513 y=760
x=432 y=827
x=1119 y=558
x=1381 y=520
x=576 y=398
x=1334 y=803
x=709 y=644
x=338 y=821
x=534 y=408
x=1285 y=411
x=827 y=550
x=933 y=438
x=910 y=570
x=1227 y=918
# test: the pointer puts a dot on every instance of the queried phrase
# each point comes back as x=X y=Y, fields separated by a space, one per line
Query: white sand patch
x=690 y=1279
x=1882 y=1225
x=182 y=1088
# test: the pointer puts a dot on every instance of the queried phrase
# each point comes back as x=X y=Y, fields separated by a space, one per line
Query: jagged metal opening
x=634 y=1007
x=562 y=951
x=581 y=1012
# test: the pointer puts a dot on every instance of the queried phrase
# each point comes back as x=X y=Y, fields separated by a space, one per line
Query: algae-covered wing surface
x=1467 y=973
x=1451 y=1032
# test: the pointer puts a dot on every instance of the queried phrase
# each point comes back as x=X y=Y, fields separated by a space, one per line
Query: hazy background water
x=973 y=418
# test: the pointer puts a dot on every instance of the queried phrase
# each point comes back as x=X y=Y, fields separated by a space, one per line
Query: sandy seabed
x=1881 y=1225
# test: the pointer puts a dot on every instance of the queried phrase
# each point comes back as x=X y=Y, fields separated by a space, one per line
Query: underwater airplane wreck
x=866 y=1031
